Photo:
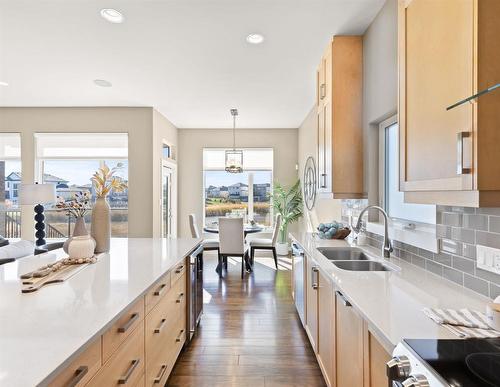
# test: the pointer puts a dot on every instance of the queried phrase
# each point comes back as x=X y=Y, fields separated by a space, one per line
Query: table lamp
x=38 y=194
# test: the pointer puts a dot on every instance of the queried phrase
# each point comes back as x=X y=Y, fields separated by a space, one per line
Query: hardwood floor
x=250 y=334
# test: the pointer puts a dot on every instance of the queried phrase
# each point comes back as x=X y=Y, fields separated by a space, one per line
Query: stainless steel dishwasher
x=195 y=288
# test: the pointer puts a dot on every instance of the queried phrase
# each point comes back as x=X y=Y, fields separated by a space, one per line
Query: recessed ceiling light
x=112 y=15
x=255 y=38
x=4 y=84
x=102 y=83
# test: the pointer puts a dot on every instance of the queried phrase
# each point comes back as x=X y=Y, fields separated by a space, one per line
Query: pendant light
x=234 y=158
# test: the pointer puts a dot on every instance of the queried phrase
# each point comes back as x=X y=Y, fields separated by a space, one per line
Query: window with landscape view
x=244 y=194
x=10 y=184
x=69 y=160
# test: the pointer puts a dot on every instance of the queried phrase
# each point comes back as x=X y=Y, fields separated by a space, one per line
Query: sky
x=219 y=178
x=77 y=172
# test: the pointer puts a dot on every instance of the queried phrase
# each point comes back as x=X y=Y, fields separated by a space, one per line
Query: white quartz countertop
x=392 y=301
x=41 y=331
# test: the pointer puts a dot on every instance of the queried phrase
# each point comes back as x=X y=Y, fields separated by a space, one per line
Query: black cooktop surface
x=462 y=363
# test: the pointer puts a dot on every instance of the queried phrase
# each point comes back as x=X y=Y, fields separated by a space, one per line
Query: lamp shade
x=31 y=194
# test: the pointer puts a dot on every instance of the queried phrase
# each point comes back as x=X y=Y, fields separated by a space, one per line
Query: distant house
x=261 y=192
x=213 y=192
x=238 y=190
x=13 y=182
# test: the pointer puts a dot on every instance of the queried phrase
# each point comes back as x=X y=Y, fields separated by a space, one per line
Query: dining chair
x=209 y=243
x=232 y=242
x=266 y=244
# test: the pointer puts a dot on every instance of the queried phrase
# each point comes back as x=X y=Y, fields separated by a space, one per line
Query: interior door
x=436 y=45
x=166 y=201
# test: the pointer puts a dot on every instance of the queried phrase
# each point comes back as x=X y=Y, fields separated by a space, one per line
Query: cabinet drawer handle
x=461 y=170
x=160 y=327
x=178 y=301
x=343 y=299
x=179 y=269
x=314 y=281
x=133 y=365
x=163 y=369
x=178 y=339
x=322 y=91
x=78 y=376
x=160 y=290
x=129 y=323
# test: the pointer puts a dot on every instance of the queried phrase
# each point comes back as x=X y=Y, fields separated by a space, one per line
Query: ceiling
x=187 y=58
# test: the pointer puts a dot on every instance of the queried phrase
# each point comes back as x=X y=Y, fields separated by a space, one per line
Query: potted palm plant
x=288 y=202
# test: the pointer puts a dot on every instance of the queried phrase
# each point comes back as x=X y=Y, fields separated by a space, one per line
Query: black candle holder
x=39 y=225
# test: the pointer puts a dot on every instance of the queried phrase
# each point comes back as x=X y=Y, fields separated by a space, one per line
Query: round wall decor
x=309 y=183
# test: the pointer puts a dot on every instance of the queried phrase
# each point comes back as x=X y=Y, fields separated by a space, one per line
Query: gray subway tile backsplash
x=476 y=284
x=460 y=229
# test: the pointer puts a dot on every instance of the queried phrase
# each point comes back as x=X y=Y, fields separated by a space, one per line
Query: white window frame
x=250 y=185
x=408 y=231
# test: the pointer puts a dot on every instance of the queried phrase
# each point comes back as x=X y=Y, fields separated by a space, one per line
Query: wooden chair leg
x=219 y=266
x=242 y=265
x=275 y=258
x=252 y=255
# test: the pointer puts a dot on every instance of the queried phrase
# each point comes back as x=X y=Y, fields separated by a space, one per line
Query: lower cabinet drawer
x=122 y=328
x=126 y=365
x=156 y=293
x=178 y=271
x=81 y=370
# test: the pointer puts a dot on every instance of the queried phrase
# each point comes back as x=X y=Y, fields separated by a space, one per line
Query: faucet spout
x=387 y=245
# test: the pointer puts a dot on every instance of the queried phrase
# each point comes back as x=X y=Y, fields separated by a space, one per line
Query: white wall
x=136 y=121
x=380 y=86
x=190 y=161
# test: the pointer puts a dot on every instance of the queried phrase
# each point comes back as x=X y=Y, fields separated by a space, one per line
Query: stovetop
x=462 y=363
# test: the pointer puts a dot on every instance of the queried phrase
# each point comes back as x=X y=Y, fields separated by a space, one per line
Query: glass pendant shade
x=234 y=161
x=234 y=157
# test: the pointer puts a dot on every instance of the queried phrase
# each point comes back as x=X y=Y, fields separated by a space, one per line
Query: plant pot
x=101 y=225
x=282 y=248
x=80 y=229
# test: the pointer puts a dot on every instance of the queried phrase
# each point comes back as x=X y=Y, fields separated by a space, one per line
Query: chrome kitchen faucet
x=387 y=246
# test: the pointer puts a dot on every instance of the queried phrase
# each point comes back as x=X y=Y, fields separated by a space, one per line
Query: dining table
x=247 y=229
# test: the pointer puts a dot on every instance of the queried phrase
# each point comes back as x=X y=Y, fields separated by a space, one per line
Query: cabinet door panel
x=312 y=303
x=326 y=326
x=349 y=345
x=322 y=149
x=436 y=68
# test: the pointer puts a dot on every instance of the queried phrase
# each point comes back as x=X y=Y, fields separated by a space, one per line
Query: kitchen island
x=44 y=332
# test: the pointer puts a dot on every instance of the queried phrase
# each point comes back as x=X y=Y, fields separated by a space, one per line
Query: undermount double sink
x=351 y=258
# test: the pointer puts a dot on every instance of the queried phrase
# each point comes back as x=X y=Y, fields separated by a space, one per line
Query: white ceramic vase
x=81 y=247
x=282 y=248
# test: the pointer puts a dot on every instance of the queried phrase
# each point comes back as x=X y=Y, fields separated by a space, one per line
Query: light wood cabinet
x=141 y=347
x=448 y=51
x=126 y=365
x=122 y=328
x=376 y=358
x=81 y=370
x=312 y=285
x=339 y=84
x=326 y=328
x=349 y=344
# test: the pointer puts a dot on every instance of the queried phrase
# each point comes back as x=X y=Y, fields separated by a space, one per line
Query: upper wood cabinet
x=449 y=50
x=339 y=93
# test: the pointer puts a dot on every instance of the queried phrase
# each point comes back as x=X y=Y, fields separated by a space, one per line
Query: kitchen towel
x=464 y=323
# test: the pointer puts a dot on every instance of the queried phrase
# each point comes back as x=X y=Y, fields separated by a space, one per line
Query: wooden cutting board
x=34 y=284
